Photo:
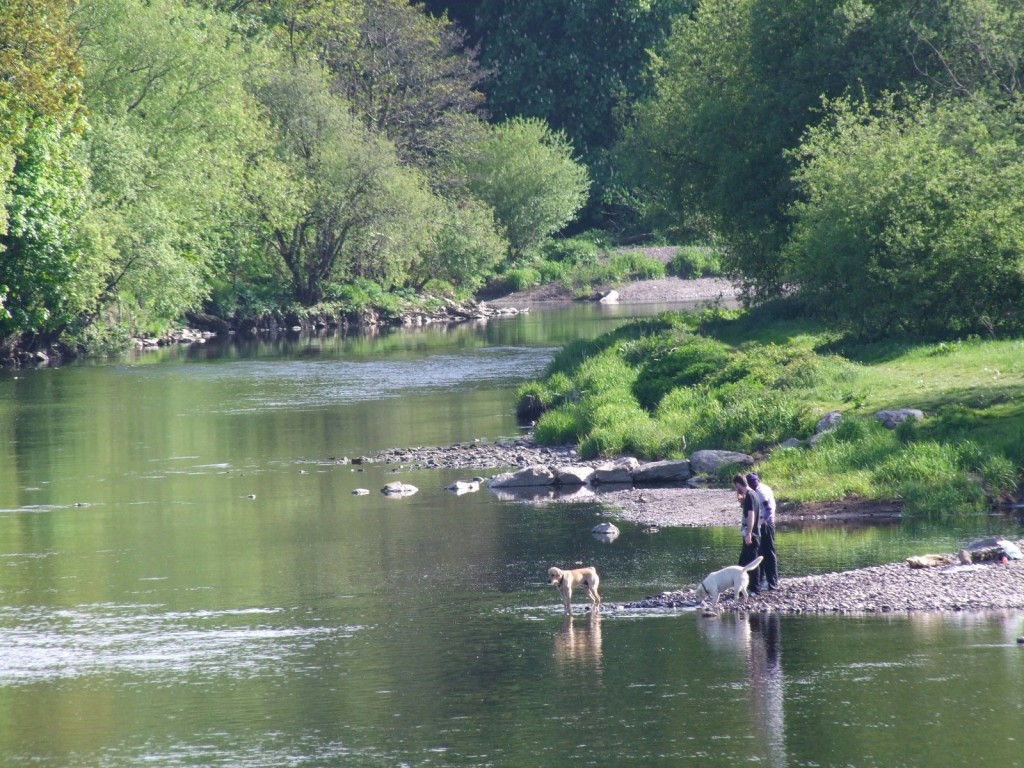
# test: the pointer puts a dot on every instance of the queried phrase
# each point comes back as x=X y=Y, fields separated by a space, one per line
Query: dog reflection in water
x=579 y=643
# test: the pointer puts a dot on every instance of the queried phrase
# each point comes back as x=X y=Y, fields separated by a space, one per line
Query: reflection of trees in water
x=757 y=638
x=580 y=643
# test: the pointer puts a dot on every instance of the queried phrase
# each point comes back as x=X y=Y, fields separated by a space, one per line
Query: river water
x=186 y=579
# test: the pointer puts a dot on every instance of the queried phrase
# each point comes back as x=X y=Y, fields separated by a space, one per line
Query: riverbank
x=895 y=588
x=886 y=589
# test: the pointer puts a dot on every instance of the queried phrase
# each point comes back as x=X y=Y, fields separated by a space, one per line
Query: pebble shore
x=886 y=589
x=894 y=588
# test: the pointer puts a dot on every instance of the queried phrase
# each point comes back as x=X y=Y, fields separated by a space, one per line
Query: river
x=186 y=579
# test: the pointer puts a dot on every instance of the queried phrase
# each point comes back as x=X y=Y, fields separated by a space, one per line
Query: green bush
x=911 y=219
x=521 y=278
x=575 y=251
x=693 y=261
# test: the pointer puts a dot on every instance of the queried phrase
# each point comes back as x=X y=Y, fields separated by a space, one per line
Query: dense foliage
x=753 y=134
x=159 y=157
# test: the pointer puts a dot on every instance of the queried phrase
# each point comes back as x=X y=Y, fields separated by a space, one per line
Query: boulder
x=618 y=471
x=605 y=532
x=460 y=487
x=361 y=492
x=677 y=471
x=892 y=419
x=792 y=442
x=828 y=422
x=993 y=548
x=531 y=476
x=930 y=561
x=574 y=475
x=398 y=489
x=708 y=462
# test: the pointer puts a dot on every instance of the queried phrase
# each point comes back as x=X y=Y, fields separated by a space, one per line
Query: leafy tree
x=526 y=173
x=741 y=81
x=911 y=218
x=573 y=63
x=465 y=250
x=410 y=78
x=348 y=208
x=42 y=177
x=40 y=71
x=173 y=126
x=971 y=48
x=44 y=264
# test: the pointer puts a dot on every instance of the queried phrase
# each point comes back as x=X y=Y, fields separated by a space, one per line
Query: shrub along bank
x=748 y=381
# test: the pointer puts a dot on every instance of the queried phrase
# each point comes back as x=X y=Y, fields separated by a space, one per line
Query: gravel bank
x=887 y=589
x=893 y=588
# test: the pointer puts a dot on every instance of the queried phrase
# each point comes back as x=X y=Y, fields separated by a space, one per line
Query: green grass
x=748 y=381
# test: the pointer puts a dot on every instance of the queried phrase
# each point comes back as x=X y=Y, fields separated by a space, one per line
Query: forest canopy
x=859 y=158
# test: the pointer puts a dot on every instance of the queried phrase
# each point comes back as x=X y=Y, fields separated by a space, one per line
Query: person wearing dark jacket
x=750 y=504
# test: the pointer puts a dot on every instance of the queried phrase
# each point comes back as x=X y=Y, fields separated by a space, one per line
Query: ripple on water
x=39 y=644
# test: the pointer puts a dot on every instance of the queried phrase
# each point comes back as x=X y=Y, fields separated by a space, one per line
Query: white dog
x=566 y=580
x=735 y=577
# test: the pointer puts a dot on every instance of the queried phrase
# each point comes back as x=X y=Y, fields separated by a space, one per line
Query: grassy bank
x=748 y=381
x=585 y=263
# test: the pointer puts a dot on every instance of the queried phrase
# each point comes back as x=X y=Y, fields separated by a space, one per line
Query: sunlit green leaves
x=527 y=174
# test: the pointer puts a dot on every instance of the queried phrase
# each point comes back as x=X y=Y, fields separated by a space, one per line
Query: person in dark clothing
x=770 y=564
x=750 y=504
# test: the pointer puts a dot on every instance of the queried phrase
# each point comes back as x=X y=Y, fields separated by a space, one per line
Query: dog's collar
x=704 y=586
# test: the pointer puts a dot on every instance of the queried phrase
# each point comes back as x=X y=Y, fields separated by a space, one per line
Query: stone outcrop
x=659 y=472
x=892 y=419
x=618 y=471
x=531 y=476
x=708 y=462
x=398 y=490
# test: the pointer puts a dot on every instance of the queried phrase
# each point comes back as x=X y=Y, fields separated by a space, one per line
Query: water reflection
x=580 y=644
x=757 y=639
x=766 y=685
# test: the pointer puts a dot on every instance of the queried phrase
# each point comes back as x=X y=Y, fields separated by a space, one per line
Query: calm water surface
x=187 y=580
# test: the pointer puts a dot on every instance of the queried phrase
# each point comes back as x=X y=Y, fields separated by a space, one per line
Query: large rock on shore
x=531 y=476
x=708 y=462
x=616 y=472
x=658 y=472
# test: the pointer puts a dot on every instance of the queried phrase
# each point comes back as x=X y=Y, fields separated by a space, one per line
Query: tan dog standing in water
x=566 y=580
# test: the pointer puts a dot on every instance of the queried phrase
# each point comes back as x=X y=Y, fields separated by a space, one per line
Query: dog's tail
x=752 y=565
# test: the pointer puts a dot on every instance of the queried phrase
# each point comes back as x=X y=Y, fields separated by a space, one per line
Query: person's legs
x=747 y=554
x=770 y=564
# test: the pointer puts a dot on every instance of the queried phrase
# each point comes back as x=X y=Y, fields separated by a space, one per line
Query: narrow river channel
x=186 y=579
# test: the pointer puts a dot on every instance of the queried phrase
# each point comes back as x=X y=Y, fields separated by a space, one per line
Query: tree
x=348 y=208
x=410 y=78
x=43 y=245
x=465 y=250
x=910 y=218
x=573 y=63
x=526 y=173
x=741 y=82
x=174 y=127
